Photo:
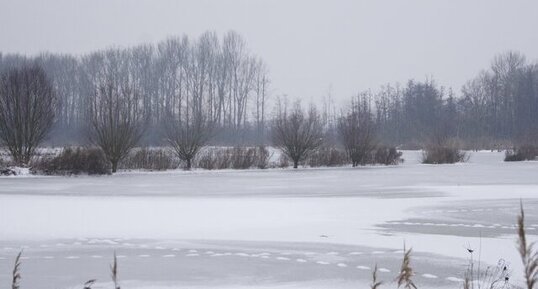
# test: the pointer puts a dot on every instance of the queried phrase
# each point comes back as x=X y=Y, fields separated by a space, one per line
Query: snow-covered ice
x=278 y=228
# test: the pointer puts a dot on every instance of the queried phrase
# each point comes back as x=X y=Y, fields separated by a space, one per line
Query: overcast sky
x=310 y=46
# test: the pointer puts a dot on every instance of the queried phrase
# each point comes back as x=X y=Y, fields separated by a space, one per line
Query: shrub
x=448 y=153
x=328 y=157
x=523 y=153
x=264 y=157
x=212 y=159
x=150 y=159
x=242 y=158
x=234 y=158
x=387 y=156
x=283 y=161
x=70 y=161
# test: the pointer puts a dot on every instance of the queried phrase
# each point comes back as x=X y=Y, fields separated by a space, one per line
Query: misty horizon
x=359 y=46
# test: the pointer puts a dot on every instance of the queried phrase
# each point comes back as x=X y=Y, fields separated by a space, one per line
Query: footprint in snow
x=355 y=253
x=301 y=260
x=192 y=255
x=363 y=267
x=384 y=270
x=168 y=256
x=283 y=258
x=322 y=263
x=429 y=276
x=454 y=279
x=342 y=265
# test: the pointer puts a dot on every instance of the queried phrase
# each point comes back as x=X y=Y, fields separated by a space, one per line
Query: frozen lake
x=306 y=228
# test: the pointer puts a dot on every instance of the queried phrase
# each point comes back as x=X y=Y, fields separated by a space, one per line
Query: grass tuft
x=114 y=272
x=406 y=271
x=375 y=283
x=15 y=283
x=89 y=284
x=529 y=256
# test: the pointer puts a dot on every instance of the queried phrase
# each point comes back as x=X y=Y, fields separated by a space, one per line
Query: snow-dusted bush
x=150 y=159
x=447 y=153
x=387 y=156
x=283 y=161
x=73 y=161
x=522 y=153
x=328 y=157
x=234 y=158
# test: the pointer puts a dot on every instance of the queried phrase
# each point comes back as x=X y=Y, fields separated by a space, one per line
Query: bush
x=150 y=159
x=234 y=158
x=264 y=157
x=387 y=156
x=443 y=154
x=69 y=161
x=523 y=153
x=283 y=161
x=328 y=157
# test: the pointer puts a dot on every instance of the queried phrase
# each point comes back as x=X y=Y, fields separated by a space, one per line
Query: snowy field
x=278 y=228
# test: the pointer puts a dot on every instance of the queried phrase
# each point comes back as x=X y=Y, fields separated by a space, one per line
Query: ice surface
x=278 y=228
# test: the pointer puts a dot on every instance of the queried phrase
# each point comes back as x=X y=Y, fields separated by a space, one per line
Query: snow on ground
x=278 y=228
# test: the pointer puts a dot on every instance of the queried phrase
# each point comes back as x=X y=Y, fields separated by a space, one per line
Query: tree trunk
x=188 y=164
x=114 y=166
x=295 y=164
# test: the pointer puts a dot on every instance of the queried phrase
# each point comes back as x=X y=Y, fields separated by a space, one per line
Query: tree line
x=179 y=76
x=186 y=93
x=496 y=109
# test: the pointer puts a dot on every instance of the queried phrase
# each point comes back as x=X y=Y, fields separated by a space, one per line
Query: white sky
x=309 y=46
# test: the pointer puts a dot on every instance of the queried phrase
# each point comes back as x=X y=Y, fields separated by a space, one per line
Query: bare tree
x=115 y=124
x=297 y=133
x=187 y=138
x=27 y=109
x=357 y=132
x=261 y=92
x=189 y=121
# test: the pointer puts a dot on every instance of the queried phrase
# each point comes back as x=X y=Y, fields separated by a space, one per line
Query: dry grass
x=89 y=284
x=529 y=256
x=406 y=272
x=114 y=272
x=15 y=283
x=375 y=283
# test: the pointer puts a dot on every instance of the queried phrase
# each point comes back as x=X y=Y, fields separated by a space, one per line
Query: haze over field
x=312 y=47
